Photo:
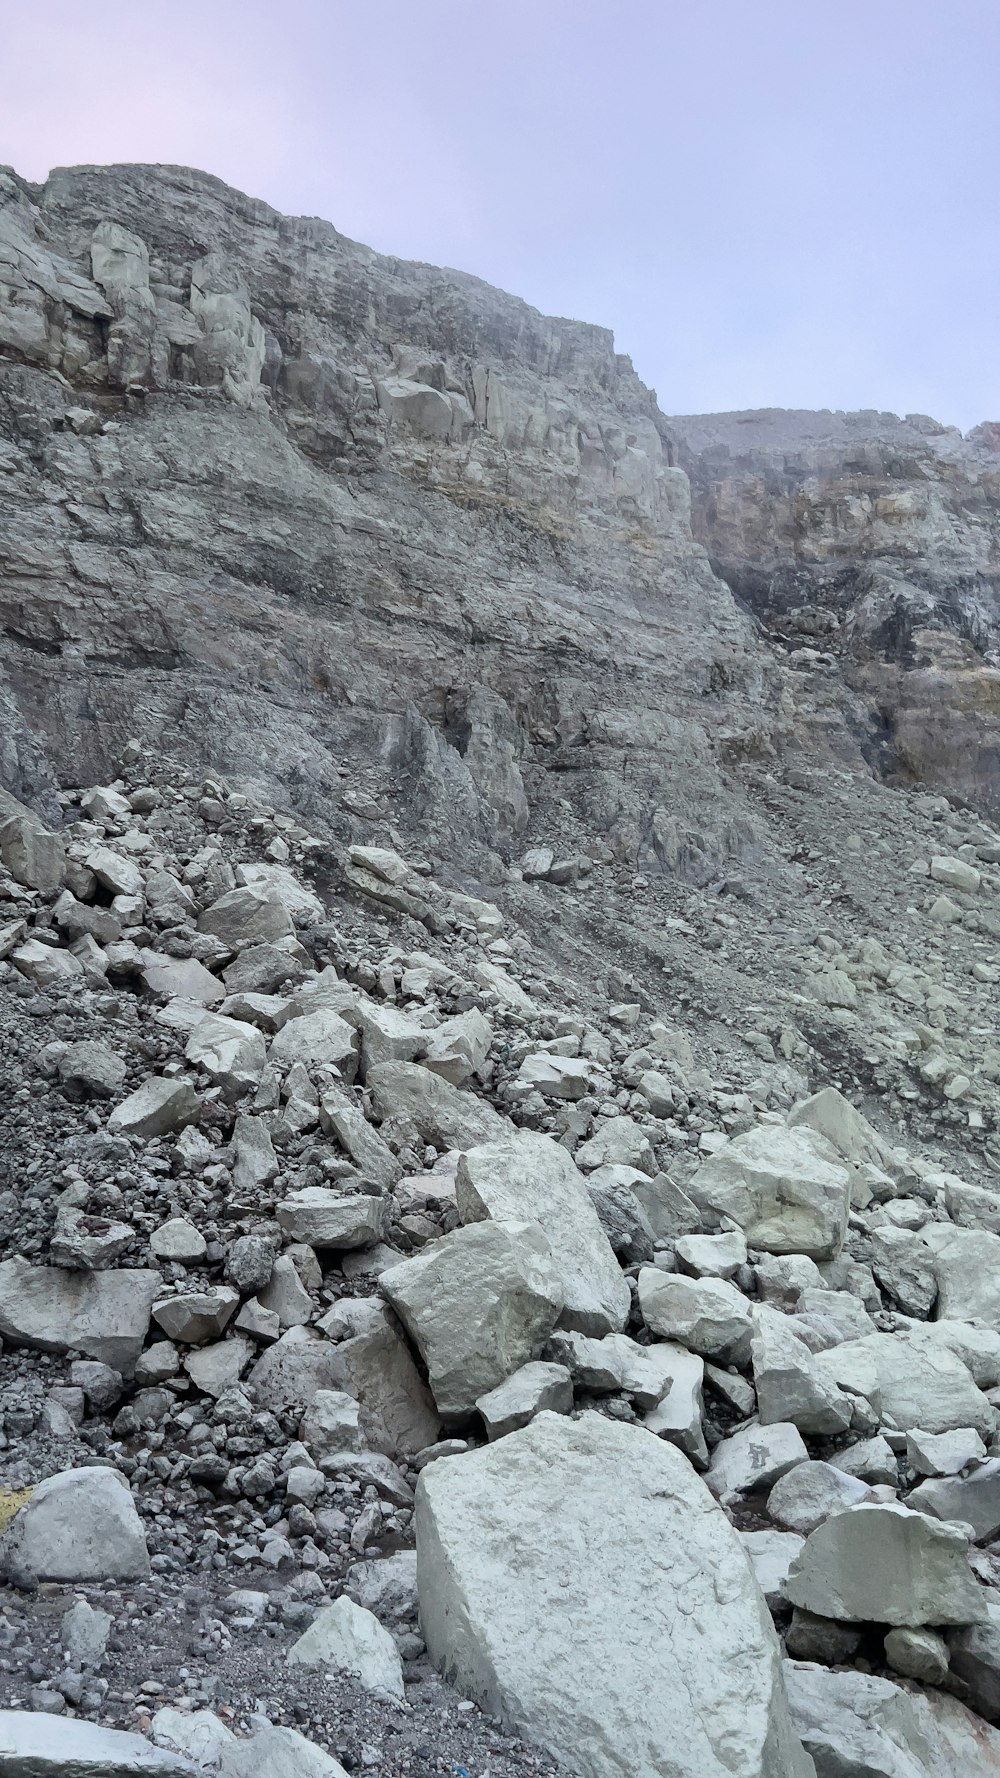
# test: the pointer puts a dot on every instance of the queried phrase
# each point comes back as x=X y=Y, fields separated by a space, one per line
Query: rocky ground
x=500 y=1128
x=321 y=1179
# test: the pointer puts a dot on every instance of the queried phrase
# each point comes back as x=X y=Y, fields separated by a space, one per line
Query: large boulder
x=252 y=915
x=578 y=1581
x=531 y=1178
x=966 y=1263
x=445 y=1115
x=104 y=1315
x=229 y=1051
x=34 y=856
x=908 y=1382
x=155 y=1109
x=788 y=1190
x=479 y=1304
x=397 y=1414
x=708 y=1315
x=883 y=1564
x=857 y=1725
x=80 y=1525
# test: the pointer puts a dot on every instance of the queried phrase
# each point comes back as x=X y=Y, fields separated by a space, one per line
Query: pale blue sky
x=792 y=203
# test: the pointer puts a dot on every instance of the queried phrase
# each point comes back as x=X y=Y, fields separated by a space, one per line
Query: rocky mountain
x=498 y=958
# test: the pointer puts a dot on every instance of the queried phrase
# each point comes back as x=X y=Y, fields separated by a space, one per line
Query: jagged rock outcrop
x=868 y=547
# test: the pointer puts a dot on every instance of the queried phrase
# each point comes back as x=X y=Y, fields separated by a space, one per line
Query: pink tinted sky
x=791 y=203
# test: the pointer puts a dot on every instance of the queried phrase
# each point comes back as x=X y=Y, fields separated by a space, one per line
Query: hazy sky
x=788 y=203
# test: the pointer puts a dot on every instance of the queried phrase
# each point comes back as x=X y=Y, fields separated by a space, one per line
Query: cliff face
x=875 y=542
x=294 y=509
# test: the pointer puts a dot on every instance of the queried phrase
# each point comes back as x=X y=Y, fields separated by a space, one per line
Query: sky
x=785 y=204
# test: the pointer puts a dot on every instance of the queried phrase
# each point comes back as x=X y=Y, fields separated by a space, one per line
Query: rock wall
x=294 y=510
x=868 y=546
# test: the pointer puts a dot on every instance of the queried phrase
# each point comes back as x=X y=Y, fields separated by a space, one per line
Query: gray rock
x=812 y=1638
x=320 y=1038
x=325 y=1218
x=943 y=1453
x=810 y=1493
x=33 y=855
x=34 y=1746
x=90 y=1070
x=872 y=1460
x=254 y=1163
x=330 y=1425
x=530 y=1178
x=102 y=1314
x=787 y=1190
x=84 y=1633
x=753 y=1458
x=285 y=1295
x=973 y=1499
x=448 y=1116
x=914 y=1385
x=708 y=1315
x=771 y=1556
x=248 y=916
x=250 y=1262
x=919 y=1654
x=789 y=1386
x=974 y=1656
x=862 y=1725
x=387 y=1587
x=531 y=1390
x=155 y=1109
x=478 y=1303
x=194 y=1316
x=178 y=1240
x=88 y=1243
x=712 y=1256
x=80 y=1525
x=217 y=1367
x=230 y=1052
x=518 y=1545
x=341 y=1117
x=347 y=1638
x=884 y=1564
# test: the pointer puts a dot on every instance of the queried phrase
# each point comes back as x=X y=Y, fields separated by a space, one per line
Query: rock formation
x=496 y=981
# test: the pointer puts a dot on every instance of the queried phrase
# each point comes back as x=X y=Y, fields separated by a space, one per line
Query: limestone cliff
x=868 y=546
x=299 y=511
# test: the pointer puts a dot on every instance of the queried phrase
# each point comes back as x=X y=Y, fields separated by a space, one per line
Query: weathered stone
x=919 y=1654
x=529 y=1178
x=711 y=1256
x=753 y=1458
x=341 y=1117
x=44 y=965
x=975 y=1658
x=34 y=1745
x=863 y=1725
x=88 y=1243
x=618 y=1142
x=156 y=1108
x=219 y=1366
x=909 y=1384
x=479 y=1303
x=771 y=1555
x=531 y=1390
x=346 y=1638
x=90 y=1070
x=883 y=1564
x=708 y=1315
x=181 y=978
x=319 y=1038
x=195 y=1316
x=459 y=1047
x=80 y=1525
x=252 y=915
x=102 y=1314
x=810 y=1493
x=973 y=1499
x=787 y=1190
x=285 y=1295
x=324 y=1218
x=789 y=1386
x=178 y=1240
x=518 y=1545
x=34 y=856
x=229 y=1051
x=445 y=1115
x=330 y=1425
x=254 y=1162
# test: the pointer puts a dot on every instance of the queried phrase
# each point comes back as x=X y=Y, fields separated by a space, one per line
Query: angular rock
x=459 y=1047
x=156 y=1108
x=708 y=1315
x=252 y=915
x=339 y=1116
x=919 y=1654
x=80 y=1525
x=33 y=854
x=711 y=1256
x=254 y=1163
x=178 y=1240
x=479 y=1304
x=90 y=1070
x=910 y=1384
x=330 y=1425
x=181 y=978
x=856 y=1725
x=320 y=1038
x=884 y=1564
x=943 y=1453
x=348 y=1639
x=789 y=1386
x=285 y=1295
x=678 y=1415
x=518 y=1547
x=972 y=1499
x=618 y=1142
x=326 y=1219
x=810 y=1493
x=975 y=1658
x=771 y=1555
x=530 y=1178
x=445 y=1115
x=88 y=1243
x=229 y=1051
x=102 y=1314
x=218 y=1367
x=753 y=1458
x=195 y=1316
x=34 y=1745
x=533 y=1389
x=788 y=1190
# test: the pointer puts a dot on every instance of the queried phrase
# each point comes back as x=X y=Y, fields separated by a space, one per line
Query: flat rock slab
x=104 y=1315
x=854 y=1723
x=578 y=1580
x=34 y=1745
